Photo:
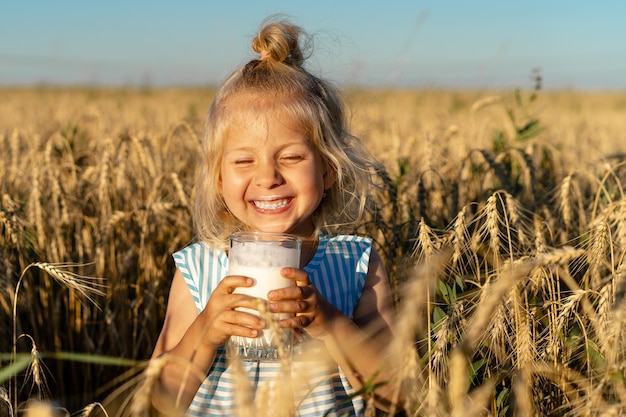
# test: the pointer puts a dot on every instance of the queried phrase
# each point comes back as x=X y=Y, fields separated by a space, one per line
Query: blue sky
x=480 y=43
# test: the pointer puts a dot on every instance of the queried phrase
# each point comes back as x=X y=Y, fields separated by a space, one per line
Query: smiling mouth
x=271 y=205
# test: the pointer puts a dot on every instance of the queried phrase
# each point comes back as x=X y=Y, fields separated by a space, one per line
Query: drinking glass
x=261 y=256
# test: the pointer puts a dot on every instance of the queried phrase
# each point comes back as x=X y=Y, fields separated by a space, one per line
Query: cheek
x=232 y=187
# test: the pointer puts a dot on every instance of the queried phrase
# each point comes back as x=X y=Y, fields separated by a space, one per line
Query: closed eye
x=293 y=157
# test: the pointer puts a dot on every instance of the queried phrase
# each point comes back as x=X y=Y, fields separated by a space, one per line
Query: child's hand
x=312 y=311
x=223 y=319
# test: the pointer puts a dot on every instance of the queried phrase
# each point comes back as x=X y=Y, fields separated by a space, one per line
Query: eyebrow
x=306 y=144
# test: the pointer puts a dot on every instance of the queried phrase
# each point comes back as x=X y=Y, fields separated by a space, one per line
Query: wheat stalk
x=459 y=236
x=558 y=256
x=10 y=231
x=104 y=182
x=180 y=191
x=141 y=402
x=440 y=350
x=143 y=150
x=121 y=178
x=497 y=333
x=524 y=347
x=491 y=212
x=522 y=390
x=418 y=293
x=497 y=289
x=84 y=285
x=36 y=212
x=515 y=217
x=35 y=368
x=565 y=205
x=458 y=382
x=568 y=305
x=86 y=411
x=620 y=232
x=4 y=397
x=597 y=251
x=485 y=102
x=113 y=220
x=424 y=245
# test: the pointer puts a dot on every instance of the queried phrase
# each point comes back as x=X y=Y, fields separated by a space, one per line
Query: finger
x=289 y=307
x=291 y=293
x=300 y=320
x=244 y=301
x=298 y=275
x=237 y=318
x=229 y=283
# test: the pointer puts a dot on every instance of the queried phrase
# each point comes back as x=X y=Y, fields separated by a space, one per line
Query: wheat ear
x=565 y=205
x=141 y=403
x=4 y=397
x=86 y=411
x=84 y=285
x=35 y=370
x=459 y=236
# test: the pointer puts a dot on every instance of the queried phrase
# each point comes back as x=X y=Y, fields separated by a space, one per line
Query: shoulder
x=197 y=253
x=202 y=267
x=347 y=241
x=353 y=249
x=194 y=249
x=346 y=238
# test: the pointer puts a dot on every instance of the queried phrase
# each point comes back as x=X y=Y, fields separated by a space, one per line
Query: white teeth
x=271 y=205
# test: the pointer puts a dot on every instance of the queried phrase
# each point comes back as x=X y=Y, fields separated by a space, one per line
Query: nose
x=268 y=175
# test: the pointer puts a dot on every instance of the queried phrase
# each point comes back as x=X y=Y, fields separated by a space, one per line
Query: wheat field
x=501 y=217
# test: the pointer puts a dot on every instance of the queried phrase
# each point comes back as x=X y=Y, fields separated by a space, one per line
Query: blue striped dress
x=338 y=270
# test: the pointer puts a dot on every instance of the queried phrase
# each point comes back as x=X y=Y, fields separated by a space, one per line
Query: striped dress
x=338 y=270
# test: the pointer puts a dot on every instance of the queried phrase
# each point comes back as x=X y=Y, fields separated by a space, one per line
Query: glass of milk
x=260 y=256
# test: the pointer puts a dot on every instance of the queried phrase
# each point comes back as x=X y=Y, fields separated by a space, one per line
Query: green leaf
x=501 y=400
x=475 y=367
x=453 y=296
x=21 y=362
x=511 y=115
x=528 y=131
x=79 y=357
x=91 y=358
x=459 y=281
x=444 y=290
x=499 y=141
x=438 y=316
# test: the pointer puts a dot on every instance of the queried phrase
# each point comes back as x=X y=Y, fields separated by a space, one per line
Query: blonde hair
x=278 y=77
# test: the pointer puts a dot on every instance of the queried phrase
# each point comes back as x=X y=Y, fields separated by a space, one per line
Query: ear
x=330 y=176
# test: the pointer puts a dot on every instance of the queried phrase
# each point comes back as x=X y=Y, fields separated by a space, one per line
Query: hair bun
x=278 y=42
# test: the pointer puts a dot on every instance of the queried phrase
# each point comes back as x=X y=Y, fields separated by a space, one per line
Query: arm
x=368 y=334
x=190 y=339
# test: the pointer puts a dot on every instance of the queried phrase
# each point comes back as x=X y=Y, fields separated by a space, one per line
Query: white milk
x=265 y=280
x=262 y=261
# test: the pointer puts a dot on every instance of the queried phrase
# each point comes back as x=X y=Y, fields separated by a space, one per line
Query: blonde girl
x=278 y=158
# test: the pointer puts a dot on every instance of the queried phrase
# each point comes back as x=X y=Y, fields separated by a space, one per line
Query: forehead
x=252 y=111
x=250 y=106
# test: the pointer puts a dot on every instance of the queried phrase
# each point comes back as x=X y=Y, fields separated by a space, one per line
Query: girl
x=278 y=158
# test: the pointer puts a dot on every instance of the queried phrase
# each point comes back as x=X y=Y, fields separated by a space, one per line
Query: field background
x=500 y=214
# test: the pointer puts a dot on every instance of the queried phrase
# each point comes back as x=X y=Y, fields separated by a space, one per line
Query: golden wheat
x=541 y=302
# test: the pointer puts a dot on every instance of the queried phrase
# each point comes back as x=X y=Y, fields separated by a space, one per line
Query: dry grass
x=501 y=218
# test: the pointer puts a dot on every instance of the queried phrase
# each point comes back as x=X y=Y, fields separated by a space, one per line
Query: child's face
x=272 y=178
